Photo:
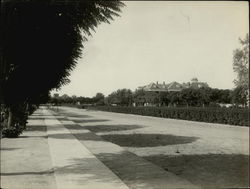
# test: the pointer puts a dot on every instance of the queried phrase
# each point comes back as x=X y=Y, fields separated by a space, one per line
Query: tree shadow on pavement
x=88 y=120
x=50 y=171
x=36 y=118
x=79 y=136
x=147 y=140
x=40 y=118
x=32 y=136
x=36 y=128
x=67 y=114
x=136 y=172
x=76 y=116
x=74 y=127
x=96 y=128
x=107 y=128
x=9 y=149
x=208 y=170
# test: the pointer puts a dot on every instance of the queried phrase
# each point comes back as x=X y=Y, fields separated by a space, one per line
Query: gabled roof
x=173 y=86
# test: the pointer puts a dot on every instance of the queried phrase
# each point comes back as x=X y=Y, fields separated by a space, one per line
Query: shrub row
x=232 y=116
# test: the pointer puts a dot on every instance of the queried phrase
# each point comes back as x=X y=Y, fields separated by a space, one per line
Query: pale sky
x=161 y=41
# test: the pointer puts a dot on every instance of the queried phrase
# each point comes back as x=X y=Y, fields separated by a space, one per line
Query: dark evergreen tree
x=41 y=42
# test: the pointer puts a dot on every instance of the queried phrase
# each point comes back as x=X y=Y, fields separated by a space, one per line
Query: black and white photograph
x=110 y=94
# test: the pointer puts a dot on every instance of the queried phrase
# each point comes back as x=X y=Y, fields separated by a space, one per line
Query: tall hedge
x=231 y=116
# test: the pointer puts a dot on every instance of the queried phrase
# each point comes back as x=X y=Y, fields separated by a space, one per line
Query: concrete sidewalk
x=74 y=165
x=26 y=161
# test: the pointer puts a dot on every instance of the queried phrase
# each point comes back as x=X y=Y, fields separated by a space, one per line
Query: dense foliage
x=122 y=97
x=241 y=68
x=241 y=63
x=42 y=41
x=40 y=44
x=98 y=99
x=186 y=97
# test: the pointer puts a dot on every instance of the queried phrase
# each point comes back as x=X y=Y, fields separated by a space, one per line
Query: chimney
x=164 y=83
x=156 y=82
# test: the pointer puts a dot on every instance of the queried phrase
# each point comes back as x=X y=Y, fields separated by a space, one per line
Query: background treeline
x=203 y=97
x=98 y=99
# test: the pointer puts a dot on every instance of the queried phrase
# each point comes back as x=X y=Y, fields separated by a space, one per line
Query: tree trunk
x=10 y=118
x=27 y=108
x=248 y=97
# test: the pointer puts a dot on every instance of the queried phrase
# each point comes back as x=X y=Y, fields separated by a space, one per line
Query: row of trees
x=186 y=97
x=98 y=99
x=41 y=42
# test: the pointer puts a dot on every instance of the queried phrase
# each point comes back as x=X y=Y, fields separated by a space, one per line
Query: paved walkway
x=25 y=161
x=74 y=165
x=57 y=154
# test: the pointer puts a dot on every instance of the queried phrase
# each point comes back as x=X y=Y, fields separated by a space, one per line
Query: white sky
x=161 y=41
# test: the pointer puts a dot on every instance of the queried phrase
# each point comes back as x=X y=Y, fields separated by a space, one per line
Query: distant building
x=197 y=84
x=173 y=86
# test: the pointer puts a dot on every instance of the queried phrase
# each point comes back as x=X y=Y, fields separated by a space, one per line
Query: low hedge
x=232 y=116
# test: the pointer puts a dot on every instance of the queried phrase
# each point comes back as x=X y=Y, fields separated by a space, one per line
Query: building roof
x=173 y=86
